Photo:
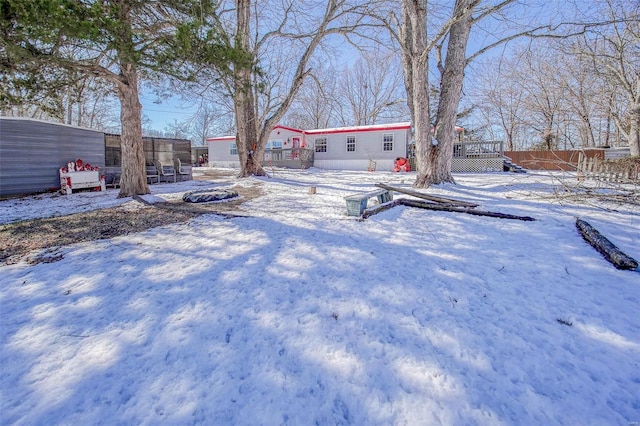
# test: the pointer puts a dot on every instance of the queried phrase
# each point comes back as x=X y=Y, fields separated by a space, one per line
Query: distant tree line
x=555 y=79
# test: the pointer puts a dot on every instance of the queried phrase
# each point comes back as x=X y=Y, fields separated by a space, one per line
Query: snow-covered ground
x=297 y=314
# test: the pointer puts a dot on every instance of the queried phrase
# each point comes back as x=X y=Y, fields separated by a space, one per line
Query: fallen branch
x=457 y=209
x=379 y=208
x=427 y=197
x=609 y=250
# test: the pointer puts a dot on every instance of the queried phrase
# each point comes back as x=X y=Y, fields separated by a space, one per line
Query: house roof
x=229 y=138
x=370 y=128
x=222 y=138
x=333 y=130
x=279 y=126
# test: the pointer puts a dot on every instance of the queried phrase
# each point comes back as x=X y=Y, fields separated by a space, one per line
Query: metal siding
x=32 y=152
x=616 y=153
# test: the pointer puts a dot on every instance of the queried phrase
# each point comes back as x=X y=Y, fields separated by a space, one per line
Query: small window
x=387 y=142
x=351 y=144
x=276 y=144
x=321 y=144
x=233 y=148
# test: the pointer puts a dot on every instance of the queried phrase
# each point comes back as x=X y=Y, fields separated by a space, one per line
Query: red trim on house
x=330 y=131
x=221 y=139
x=359 y=129
x=279 y=126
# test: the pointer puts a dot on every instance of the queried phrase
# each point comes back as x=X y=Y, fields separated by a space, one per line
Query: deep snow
x=297 y=314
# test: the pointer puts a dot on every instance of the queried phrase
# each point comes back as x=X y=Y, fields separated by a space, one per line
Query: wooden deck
x=294 y=158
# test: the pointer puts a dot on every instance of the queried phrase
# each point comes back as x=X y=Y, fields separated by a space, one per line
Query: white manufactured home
x=343 y=148
x=223 y=151
x=355 y=148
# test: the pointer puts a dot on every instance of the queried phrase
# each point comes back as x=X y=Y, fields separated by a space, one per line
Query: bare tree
x=559 y=93
x=452 y=71
x=501 y=101
x=370 y=90
x=296 y=31
x=409 y=30
x=412 y=38
x=544 y=95
x=613 y=52
x=318 y=98
x=205 y=123
x=90 y=102
x=177 y=129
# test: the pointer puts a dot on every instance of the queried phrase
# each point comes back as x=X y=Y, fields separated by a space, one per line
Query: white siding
x=363 y=165
x=286 y=136
x=220 y=154
x=220 y=148
x=369 y=146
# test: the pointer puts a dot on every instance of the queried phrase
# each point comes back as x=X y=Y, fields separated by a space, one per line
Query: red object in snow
x=401 y=164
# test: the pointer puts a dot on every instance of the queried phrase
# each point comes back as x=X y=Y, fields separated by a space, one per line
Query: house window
x=233 y=148
x=387 y=142
x=321 y=144
x=276 y=144
x=351 y=144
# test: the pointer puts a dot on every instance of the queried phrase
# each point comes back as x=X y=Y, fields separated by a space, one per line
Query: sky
x=295 y=313
x=160 y=113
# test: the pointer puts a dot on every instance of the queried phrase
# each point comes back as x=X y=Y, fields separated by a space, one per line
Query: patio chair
x=182 y=171
x=165 y=172
x=153 y=174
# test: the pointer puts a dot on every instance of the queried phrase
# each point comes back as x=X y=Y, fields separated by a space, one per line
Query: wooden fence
x=552 y=160
x=619 y=171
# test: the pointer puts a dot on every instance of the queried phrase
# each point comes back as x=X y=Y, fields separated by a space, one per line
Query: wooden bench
x=357 y=203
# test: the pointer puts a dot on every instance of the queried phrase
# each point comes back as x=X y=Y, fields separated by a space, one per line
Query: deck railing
x=483 y=149
x=298 y=158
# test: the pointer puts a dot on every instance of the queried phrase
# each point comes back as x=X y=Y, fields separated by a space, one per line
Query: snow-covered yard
x=297 y=314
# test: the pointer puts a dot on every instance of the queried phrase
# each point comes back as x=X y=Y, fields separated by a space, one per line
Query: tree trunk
x=609 y=250
x=415 y=63
x=250 y=150
x=634 y=132
x=133 y=180
x=441 y=155
x=634 y=122
x=244 y=101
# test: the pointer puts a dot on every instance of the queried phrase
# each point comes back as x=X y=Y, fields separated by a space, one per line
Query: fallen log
x=379 y=208
x=458 y=209
x=427 y=196
x=609 y=250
